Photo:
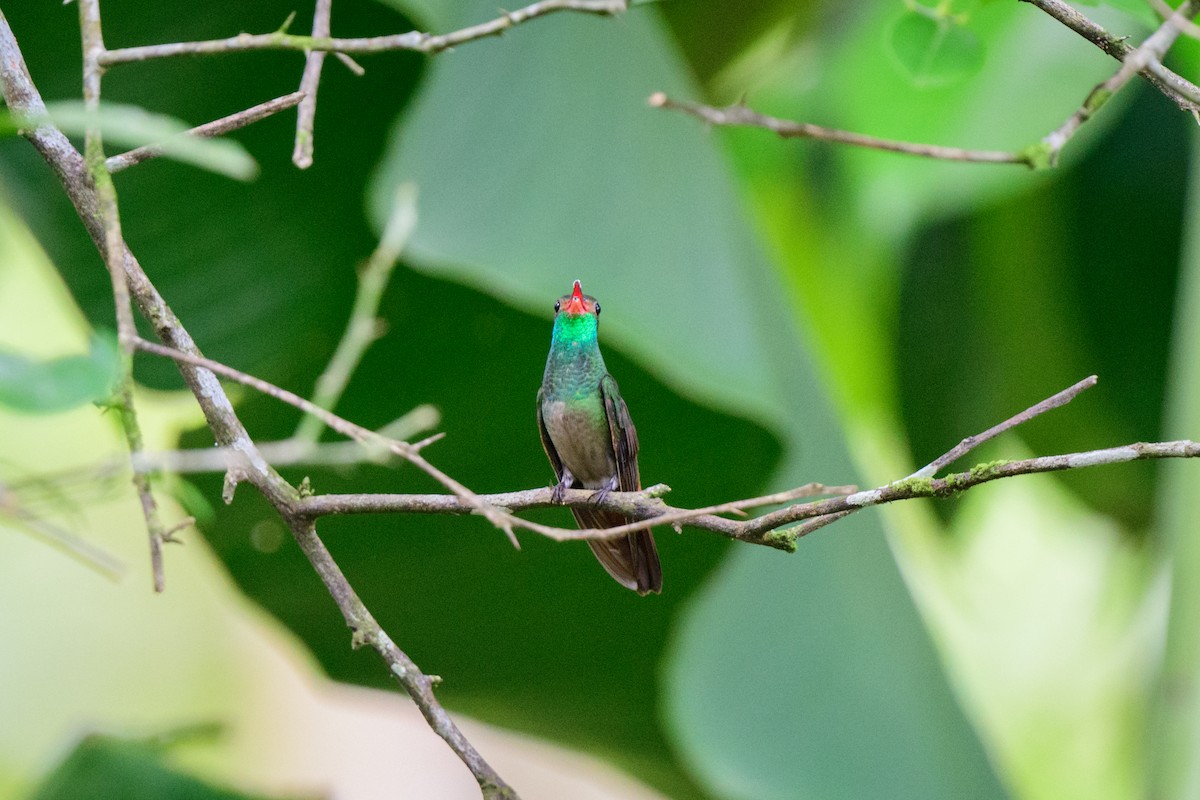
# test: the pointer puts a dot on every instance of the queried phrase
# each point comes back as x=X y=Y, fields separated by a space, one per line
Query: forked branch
x=416 y=41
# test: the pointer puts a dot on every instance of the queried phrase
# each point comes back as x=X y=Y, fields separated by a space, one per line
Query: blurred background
x=776 y=312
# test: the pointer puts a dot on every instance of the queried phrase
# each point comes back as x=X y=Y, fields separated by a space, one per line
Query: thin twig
x=741 y=116
x=1182 y=92
x=218 y=127
x=968 y=444
x=302 y=152
x=342 y=426
x=1165 y=12
x=971 y=442
x=409 y=452
x=983 y=473
x=363 y=327
x=412 y=40
x=1150 y=51
x=645 y=505
x=351 y=64
x=110 y=219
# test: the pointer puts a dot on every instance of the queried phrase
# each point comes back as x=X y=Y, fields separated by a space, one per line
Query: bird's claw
x=601 y=494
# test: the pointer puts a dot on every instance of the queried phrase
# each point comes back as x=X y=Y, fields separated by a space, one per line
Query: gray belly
x=583 y=447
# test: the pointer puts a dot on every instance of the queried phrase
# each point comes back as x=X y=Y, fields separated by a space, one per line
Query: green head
x=576 y=320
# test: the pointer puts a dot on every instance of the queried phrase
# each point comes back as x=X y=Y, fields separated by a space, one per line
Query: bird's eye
x=557 y=305
x=597 y=309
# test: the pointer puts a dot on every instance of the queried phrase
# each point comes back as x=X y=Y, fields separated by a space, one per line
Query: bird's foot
x=601 y=494
x=564 y=483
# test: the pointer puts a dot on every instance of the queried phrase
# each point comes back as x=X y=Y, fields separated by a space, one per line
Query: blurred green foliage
x=934 y=47
x=59 y=384
x=776 y=312
x=128 y=127
x=105 y=767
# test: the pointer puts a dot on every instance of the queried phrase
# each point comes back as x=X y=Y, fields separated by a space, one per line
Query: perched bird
x=590 y=439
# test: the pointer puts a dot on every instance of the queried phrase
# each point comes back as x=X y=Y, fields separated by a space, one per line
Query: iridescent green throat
x=575 y=366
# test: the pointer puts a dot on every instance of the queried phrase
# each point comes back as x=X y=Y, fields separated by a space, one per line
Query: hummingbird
x=590 y=439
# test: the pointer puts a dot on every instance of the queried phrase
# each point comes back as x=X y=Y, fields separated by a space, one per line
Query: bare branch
x=302 y=153
x=646 y=505
x=342 y=426
x=498 y=517
x=1165 y=12
x=112 y=251
x=282 y=453
x=218 y=127
x=351 y=64
x=741 y=116
x=971 y=442
x=1150 y=52
x=412 y=40
x=1183 y=93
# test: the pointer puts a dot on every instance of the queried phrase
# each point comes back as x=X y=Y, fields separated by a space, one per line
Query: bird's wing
x=635 y=555
x=548 y=445
x=632 y=560
x=624 y=436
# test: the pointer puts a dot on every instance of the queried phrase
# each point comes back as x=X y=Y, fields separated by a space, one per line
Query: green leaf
x=991 y=108
x=640 y=206
x=60 y=384
x=131 y=126
x=1139 y=10
x=438 y=16
x=103 y=767
x=1175 y=721
x=812 y=677
x=612 y=221
x=934 y=49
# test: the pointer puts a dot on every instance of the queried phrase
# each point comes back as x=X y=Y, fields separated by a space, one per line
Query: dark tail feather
x=632 y=560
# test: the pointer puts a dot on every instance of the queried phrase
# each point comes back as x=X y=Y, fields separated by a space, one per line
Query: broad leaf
x=640 y=206
x=102 y=767
x=58 y=384
x=1174 y=730
x=129 y=126
x=934 y=49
